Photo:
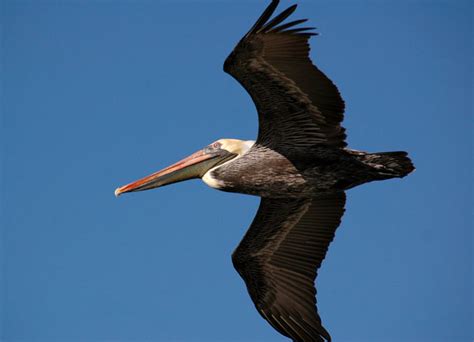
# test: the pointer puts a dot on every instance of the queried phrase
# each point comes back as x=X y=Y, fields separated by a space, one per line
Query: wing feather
x=298 y=106
x=279 y=256
x=287 y=25
x=263 y=18
x=278 y=19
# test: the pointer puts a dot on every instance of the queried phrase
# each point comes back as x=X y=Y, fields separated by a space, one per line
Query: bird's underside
x=299 y=166
x=310 y=172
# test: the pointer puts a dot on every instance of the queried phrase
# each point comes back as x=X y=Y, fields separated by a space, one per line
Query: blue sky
x=98 y=93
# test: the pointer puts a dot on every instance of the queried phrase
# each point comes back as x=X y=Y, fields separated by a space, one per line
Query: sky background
x=95 y=94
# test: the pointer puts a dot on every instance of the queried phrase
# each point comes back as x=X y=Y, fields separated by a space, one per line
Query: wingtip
x=278 y=19
x=267 y=13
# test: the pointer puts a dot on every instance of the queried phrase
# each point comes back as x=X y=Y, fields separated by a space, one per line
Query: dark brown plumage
x=299 y=166
x=300 y=112
x=298 y=106
x=279 y=257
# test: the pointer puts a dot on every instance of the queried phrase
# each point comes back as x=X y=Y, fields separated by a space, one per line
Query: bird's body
x=299 y=165
x=307 y=172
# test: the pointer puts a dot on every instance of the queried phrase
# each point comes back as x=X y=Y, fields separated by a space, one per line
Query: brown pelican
x=299 y=166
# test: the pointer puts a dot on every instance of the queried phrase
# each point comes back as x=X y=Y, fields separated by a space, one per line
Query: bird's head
x=194 y=166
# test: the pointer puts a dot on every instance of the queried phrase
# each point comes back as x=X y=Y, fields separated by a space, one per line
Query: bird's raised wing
x=298 y=106
x=279 y=256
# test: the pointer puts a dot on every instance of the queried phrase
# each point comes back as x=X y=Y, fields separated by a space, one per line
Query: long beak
x=194 y=166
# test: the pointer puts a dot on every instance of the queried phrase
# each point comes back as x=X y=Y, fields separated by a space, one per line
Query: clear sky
x=99 y=93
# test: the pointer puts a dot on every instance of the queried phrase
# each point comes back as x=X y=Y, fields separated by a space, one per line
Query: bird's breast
x=261 y=173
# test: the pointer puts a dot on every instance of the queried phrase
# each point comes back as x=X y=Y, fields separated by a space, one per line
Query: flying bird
x=299 y=165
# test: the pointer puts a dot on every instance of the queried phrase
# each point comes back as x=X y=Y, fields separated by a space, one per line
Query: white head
x=239 y=147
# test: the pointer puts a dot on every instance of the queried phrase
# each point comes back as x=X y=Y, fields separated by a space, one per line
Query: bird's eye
x=212 y=147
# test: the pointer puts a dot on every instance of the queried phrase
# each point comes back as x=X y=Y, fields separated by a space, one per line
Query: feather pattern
x=298 y=106
x=278 y=19
x=279 y=256
x=288 y=25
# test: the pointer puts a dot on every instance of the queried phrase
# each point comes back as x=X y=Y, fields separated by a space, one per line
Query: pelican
x=299 y=166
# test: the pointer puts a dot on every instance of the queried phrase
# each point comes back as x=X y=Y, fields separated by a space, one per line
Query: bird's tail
x=389 y=164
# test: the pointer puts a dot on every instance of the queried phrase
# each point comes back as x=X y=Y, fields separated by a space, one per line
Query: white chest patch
x=211 y=181
x=236 y=146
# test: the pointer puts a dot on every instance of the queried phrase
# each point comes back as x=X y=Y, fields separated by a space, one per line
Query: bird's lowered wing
x=298 y=106
x=279 y=256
